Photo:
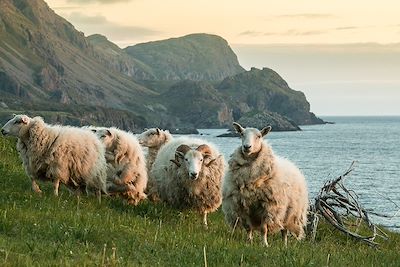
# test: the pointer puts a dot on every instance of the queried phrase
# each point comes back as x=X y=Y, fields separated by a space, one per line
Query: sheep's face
x=152 y=138
x=106 y=137
x=193 y=159
x=14 y=126
x=252 y=138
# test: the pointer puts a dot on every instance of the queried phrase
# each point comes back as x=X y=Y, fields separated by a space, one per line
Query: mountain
x=256 y=97
x=117 y=59
x=194 y=57
x=44 y=59
x=260 y=90
x=49 y=68
x=196 y=103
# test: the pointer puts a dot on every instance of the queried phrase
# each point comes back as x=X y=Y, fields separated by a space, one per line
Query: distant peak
x=97 y=36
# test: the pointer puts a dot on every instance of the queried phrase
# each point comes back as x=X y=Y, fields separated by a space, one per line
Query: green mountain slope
x=45 y=60
x=259 y=90
x=195 y=57
x=49 y=68
x=117 y=59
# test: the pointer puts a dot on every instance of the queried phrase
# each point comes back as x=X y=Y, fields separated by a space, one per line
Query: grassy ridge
x=49 y=231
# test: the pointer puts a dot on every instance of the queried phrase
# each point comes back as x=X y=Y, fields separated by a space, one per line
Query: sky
x=344 y=55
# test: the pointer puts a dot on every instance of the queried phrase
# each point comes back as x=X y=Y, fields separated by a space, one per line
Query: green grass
x=64 y=231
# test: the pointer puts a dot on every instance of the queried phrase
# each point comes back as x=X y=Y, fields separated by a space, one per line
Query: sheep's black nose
x=193 y=175
x=246 y=147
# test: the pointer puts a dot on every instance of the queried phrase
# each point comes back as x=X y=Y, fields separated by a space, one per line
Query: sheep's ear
x=25 y=119
x=238 y=127
x=158 y=131
x=266 y=130
x=210 y=160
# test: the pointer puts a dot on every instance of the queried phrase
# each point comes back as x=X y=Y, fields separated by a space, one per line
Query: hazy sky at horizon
x=359 y=79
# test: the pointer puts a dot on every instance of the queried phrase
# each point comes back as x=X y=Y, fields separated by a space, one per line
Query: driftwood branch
x=341 y=208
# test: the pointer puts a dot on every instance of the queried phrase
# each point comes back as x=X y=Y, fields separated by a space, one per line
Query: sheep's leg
x=250 y=235
x=284 y=233
x=98 y=194
x=35 y=187
x=205 y=220
x=264 y=234
x=56 y=185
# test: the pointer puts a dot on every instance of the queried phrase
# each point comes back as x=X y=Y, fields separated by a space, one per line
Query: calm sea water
x=326 y=151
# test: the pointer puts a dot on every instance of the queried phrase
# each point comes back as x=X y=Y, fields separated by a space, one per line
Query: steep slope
x=196 y=104
x=195 y=57
x=117 y=59
x=260 y=90
x=45 y=60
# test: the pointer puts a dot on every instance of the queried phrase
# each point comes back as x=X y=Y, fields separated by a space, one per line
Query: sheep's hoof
x=39 y=192
x=265 y=244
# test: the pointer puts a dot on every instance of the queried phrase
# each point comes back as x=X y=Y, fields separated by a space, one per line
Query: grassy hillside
x=64 y=231
x=195 y=57
x=44 y=59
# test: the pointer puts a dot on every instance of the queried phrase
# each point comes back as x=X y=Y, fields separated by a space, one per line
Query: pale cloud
x=297 y=32
x=307 y=16
x=251 y=33
x=114 y=31
x=291 y=32
x=66 y=8
x=347 y=28
x=97 y=1
x=81 y=18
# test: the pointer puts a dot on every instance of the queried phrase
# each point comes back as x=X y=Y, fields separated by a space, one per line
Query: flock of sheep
x=259 y=192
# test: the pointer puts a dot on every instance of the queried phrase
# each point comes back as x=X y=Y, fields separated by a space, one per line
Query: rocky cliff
x=197 y=57
x=47 y=67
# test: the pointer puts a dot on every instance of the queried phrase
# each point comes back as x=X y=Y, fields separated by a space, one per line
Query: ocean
x=324 y=152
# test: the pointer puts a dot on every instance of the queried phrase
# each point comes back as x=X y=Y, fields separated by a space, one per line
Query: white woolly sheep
x=262 y=191
x=153 y=139
x=188 y=174
x=127 y=173
x=60 y=154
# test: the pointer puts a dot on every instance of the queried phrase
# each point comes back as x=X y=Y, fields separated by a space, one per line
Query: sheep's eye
x=258 y=136
x=201 y=159
x=186 y=160
x=103 y=136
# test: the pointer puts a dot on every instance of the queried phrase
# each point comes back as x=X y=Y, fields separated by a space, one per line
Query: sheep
x=127 y=166
x=153 y=139
x=262 y=191
x=188 y=174
x=61 y=154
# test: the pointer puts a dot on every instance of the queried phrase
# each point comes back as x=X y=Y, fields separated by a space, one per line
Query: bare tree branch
x=341 y=208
